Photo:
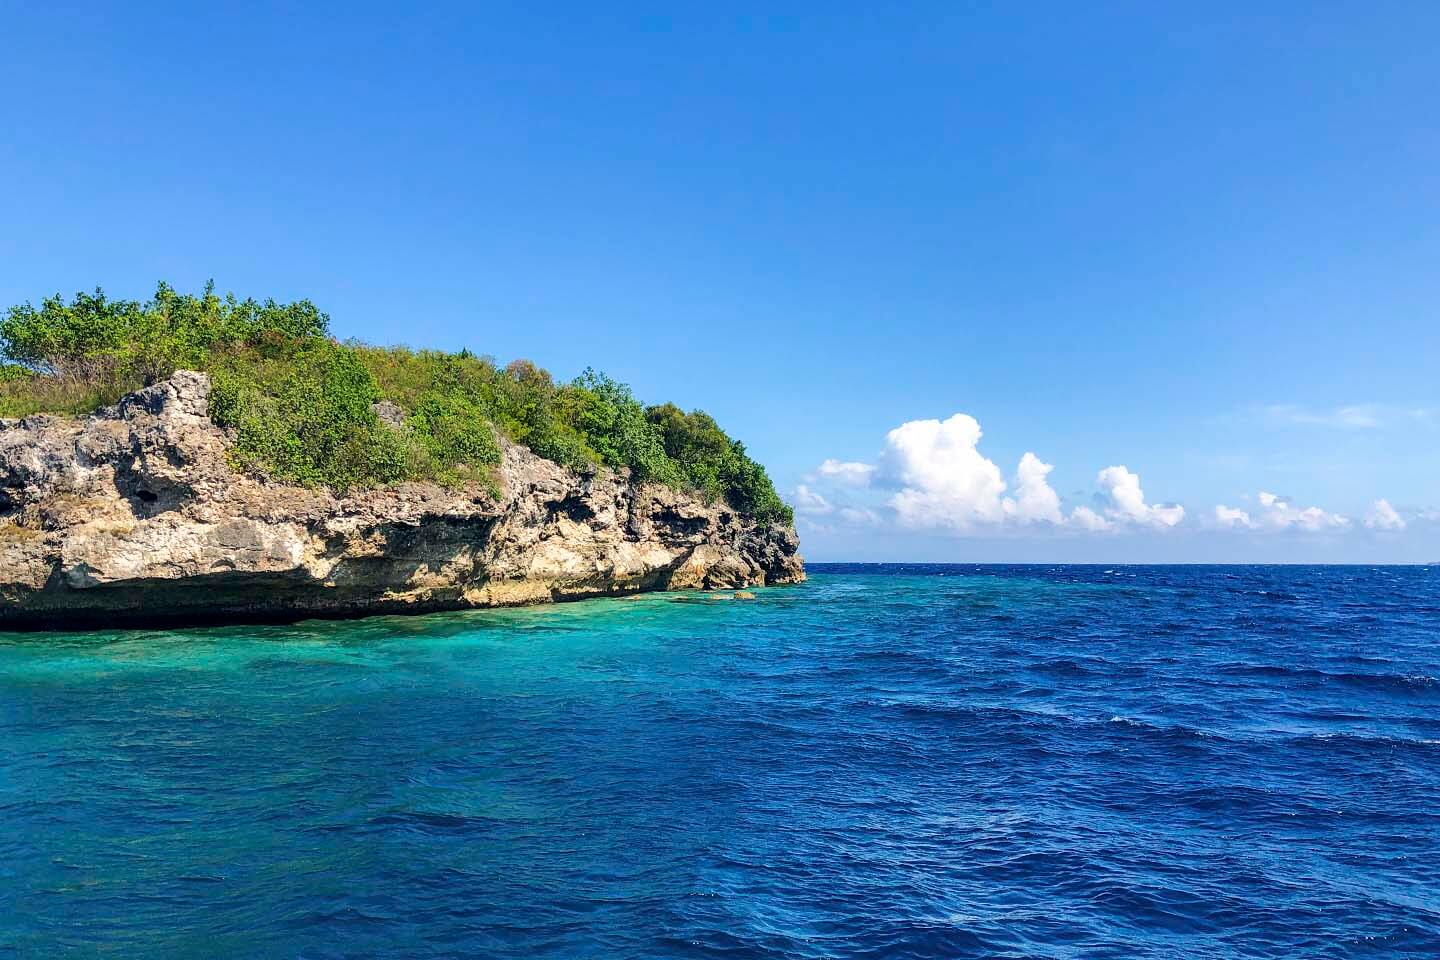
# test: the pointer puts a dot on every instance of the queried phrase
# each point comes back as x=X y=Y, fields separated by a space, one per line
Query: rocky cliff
x=134 y=515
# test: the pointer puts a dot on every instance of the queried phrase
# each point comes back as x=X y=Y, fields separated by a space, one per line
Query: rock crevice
x=134 y=515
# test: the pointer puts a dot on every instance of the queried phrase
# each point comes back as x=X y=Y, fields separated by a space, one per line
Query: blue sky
x=1197 y=243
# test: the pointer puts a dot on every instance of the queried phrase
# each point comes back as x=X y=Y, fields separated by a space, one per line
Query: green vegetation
x=304 y=413
x=305 y=408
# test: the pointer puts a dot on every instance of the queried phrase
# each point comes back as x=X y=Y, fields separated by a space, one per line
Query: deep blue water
x=885 y=762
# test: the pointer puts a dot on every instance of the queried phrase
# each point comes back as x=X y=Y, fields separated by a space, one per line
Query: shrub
x=87 y=340
x=105 y=343
x=613 y=424
x=455 y=432
x=695 y=443
x=717 y=465
x=302 y=406
x=748 y=488
x=308 y=418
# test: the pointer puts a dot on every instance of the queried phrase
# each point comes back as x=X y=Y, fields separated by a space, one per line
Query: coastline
x=134 y=516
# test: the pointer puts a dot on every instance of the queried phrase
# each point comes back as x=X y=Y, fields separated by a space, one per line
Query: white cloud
x=1355 y=416
x=941 y=480
x=1128 y=500
x=811 y=505
x=1034 y=498
x=1382 y=516
x=1087 y=519
x=1277 y=513
x=944 y=480
x=1362 y=416
x=808 y=501
x=860 y=516
x=848 y=472
x=1232 y=517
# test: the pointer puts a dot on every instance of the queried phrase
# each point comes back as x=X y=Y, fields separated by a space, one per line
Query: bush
x=87 y=340
x=103 y=343
x=455 y=432
x=748 y=489
x=695 y=443
x=452 y=388
x=717 y=465
x=309 y=419
x=613 y=424
x=302 y=406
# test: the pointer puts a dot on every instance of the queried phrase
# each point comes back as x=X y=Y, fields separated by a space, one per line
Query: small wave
x=1176 y=732
x=1389 y=682
x=1063 y=668
x=1413 y=682
x=1172 y=767
x=1365 y=741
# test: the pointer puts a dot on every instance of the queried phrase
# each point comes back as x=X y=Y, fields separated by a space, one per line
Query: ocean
x=886 y=762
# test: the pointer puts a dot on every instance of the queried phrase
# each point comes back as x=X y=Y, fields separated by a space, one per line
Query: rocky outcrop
x=134 y=515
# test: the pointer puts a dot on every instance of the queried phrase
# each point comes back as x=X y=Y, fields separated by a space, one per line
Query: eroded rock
x=134 y=515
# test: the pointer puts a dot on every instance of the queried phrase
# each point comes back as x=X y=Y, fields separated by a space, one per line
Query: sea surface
x=886 y=762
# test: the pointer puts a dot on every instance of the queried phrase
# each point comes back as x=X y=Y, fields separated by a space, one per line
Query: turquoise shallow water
x=885 y=762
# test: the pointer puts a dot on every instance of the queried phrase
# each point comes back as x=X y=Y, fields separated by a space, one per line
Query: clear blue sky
x=1201 y=243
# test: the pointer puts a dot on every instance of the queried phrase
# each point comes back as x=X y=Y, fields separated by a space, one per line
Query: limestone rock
x=134 y=515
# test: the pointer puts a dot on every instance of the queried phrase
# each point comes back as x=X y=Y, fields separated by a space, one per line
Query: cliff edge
x=134 y=515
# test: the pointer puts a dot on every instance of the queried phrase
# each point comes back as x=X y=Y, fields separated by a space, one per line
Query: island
x=195 y=458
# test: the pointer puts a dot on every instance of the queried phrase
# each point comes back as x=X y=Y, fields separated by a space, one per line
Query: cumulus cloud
x=1034 y=498
x=1382 y=516
x=941 y=480
x=932 y=475
x=860 y=516
x=1086 y=519
x=1278 y=513
x=808 y=501
x=1127 y=500
x=1233 y=517
x=848 y=472
x=945 y=481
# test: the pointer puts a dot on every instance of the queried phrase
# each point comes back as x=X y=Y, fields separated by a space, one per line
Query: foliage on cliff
x=307 y=408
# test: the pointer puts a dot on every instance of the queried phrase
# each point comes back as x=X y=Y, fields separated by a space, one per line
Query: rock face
x=133 y=515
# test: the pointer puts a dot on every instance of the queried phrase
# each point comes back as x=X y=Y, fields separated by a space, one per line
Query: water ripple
x=888 y=762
